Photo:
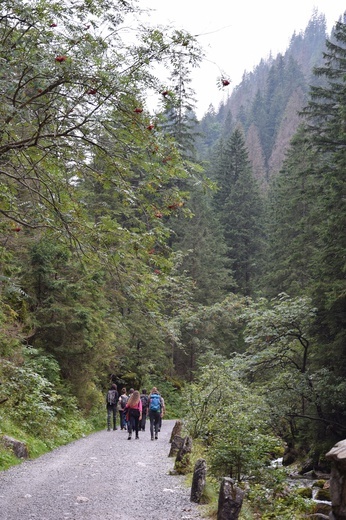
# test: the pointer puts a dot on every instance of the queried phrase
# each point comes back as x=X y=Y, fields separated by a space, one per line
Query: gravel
x=102 y=476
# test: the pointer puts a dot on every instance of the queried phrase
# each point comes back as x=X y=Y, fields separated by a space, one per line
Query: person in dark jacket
x=133 y=412
x=111 y=405
x=144 y=399
x=121 y=407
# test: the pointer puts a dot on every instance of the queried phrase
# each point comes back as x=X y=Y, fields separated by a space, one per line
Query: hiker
x=122 y=404
x=144 y=399
x=133 y=412
x=111 y=405
x=155 y=407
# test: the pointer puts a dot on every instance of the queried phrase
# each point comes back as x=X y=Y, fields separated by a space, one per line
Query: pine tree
x=239 y=207
x=325 y=115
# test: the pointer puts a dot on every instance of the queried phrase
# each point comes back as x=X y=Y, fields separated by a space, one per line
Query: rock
x=176 y=430
x=230 y=500
x=182 y=461
x=323 y=494
x=198 y=480
x=338 y=480
x=19 y=448
x=307 y=466
x=290 y=455
x=305 y=492
x=322 y=509
x=176 y=444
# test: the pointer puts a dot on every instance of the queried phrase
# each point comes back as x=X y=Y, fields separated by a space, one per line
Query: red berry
x=17 y=229
x=53 y=25
x=92 y=91
x=60 y=59
x=225 y=82
x=165 y=93
x=150 y=127
x=138 y=110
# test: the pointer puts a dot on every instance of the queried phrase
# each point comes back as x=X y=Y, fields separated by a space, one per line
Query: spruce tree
x=239 y=207
x=325 y=115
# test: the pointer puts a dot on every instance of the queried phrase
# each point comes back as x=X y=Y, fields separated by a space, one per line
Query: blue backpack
x=155 y=403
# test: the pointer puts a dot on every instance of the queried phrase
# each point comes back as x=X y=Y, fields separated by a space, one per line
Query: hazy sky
x=237 y=34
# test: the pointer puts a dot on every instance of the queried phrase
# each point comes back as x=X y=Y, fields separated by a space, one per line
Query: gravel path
x=100 y=477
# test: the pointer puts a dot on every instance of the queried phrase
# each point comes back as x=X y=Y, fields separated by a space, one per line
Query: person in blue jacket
x=155 y=407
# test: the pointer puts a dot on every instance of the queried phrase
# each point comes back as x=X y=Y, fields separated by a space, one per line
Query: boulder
x=19 y=448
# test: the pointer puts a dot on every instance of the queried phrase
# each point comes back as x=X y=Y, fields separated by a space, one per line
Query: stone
x=19 y=448
x=230 y=500
x=177 y=428
x=182 y=460
x=176 y=444
x=337 y=455
x=198 y=480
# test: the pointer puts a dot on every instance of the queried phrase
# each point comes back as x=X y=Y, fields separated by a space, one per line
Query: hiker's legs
x=123 y=420
x=143 y=421
x=131 y=425
x=157 y=423
x=109 y=411
x=114 y=416
x=136 y=425
x=152 y=419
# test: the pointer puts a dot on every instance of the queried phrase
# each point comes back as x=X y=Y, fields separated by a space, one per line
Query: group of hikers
x=133 y=409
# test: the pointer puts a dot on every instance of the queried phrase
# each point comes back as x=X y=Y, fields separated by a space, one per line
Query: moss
x=323 y=494
x=304 y=492
x=319 y=483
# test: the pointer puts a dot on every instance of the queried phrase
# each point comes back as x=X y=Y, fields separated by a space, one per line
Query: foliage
x=274 y=500
x=238 y=206
x=230 y=419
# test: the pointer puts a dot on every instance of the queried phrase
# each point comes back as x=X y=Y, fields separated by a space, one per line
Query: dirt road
x=103 y=476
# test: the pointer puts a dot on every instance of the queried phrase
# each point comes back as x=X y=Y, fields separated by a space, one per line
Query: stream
x=304 y=481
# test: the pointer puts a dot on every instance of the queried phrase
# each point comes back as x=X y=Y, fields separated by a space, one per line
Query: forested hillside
x=207 y=258
x=267 y=101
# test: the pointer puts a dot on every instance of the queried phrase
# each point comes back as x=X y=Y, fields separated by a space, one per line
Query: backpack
x=123 y=401
x=144 y=399
x=112 y=396
x=155 y=403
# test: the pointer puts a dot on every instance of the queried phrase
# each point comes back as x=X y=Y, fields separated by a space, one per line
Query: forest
x=205 y=257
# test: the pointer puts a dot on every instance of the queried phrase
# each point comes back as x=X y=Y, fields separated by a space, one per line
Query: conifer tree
x=239 y=207
x=325 y=115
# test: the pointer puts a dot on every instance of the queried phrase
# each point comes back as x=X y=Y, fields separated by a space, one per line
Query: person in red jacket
x=133 y=412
